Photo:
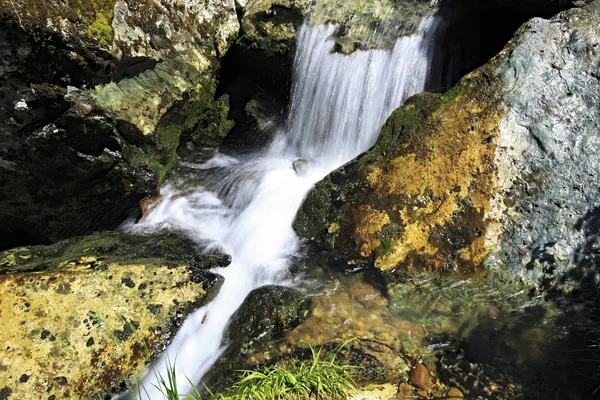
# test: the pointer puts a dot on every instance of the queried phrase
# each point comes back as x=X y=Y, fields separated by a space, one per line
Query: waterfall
x=339 y=104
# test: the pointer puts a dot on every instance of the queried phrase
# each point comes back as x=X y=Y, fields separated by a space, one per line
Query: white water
x=339 y=104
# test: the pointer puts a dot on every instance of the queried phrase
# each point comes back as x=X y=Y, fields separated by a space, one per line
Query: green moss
x=313 y=218
x=81 y=19
x=450 y=95
x=170 y=243
x=101 y=30
x=162 y=248
x=400 y=127
x=211 y=125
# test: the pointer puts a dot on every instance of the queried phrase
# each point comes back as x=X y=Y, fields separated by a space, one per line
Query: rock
x=81 y=316
x=494 y=173
x=258 y=70
x=376 y=392
x=420 y=377
x=358 y=20
x=300 y=166
x=261 y=109
x=268 y=312
x=406 y=391
x=454 y=394
x=265 y=316
x=98 y=96
x=118 y=247
x=430 y=361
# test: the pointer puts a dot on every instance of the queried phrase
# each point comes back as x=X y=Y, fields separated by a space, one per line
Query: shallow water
x=493 y=338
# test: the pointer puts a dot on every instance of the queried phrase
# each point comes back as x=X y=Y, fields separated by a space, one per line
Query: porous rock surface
x=83 y=316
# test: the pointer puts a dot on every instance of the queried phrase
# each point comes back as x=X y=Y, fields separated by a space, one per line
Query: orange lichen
x=368 y=222
x=448 y=167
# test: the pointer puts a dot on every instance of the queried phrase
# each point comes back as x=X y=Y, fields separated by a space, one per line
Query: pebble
x=406 y=391
x=454 y=394
x=420 y=377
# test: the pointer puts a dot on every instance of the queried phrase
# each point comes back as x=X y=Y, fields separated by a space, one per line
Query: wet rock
x=257 y=70
x=358 y=20
x=482 y=175
x=406 y=391
x=100 y=331
x=262 y=110
x=98 y=95
x=300 y=166
x=454 y=394
x=430 y=362
x=420 y=377
x=267 y=313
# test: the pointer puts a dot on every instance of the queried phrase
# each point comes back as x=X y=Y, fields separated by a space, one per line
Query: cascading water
x=339 y=104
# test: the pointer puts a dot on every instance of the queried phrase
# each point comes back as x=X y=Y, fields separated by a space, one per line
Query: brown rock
x=405 y=391
x=420 y=377
x=454 y=394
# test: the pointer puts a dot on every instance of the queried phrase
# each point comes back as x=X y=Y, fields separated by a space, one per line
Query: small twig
x=17 y=14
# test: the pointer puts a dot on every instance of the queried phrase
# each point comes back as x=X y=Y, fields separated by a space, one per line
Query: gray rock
x=549 y=145
x=300 y=166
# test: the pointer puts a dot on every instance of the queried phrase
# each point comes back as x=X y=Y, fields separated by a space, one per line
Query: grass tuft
x=317 y=379
x=295 y=380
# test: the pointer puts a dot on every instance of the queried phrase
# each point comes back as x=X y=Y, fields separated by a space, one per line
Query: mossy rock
x=481 y=176
x=319 y=219
x=161 y=248
x=107 y=90
x=85 y=315
x=267 y=313
x=410 y=201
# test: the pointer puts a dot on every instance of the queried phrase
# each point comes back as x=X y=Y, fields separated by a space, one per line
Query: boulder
x=96 y=97
x=300 y=166
x=497 y=172
x=83 y=316
x=267 y=313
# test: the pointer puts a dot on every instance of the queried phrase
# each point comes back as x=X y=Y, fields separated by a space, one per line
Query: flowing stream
x=339 y=104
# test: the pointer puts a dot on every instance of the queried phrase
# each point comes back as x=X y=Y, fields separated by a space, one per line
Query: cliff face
x=499 y=171
x=95 y=96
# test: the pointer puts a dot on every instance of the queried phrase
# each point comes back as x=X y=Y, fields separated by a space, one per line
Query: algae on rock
x=495 y=173
x=105 y=89
x=82 y=316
